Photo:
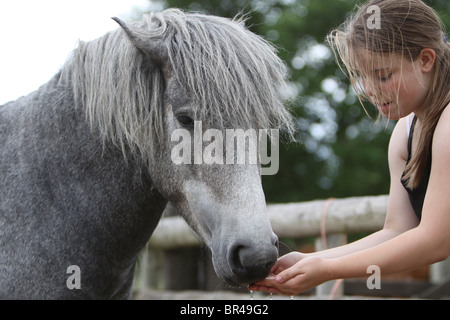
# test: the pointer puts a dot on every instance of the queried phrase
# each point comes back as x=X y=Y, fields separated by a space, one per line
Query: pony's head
x=157 y=78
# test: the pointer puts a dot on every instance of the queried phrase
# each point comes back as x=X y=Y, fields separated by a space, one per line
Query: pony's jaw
x=236 y=229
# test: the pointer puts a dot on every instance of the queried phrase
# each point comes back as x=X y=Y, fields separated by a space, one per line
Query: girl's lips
x=384 y=107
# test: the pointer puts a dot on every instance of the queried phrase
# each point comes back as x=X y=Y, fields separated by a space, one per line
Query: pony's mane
x=235 y=76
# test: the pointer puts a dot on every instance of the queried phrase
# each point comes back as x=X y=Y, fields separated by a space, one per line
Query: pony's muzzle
x=250 y=262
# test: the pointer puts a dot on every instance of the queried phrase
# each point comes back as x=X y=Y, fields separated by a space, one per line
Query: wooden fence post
x=181 y=270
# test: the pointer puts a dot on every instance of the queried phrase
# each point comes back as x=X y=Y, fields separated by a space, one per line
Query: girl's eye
x=185 y=121
x=385 y=78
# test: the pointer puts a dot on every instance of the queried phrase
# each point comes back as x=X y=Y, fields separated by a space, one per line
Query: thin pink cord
x=323 y=236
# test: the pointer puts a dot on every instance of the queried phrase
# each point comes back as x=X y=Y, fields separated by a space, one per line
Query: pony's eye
x=185 y=121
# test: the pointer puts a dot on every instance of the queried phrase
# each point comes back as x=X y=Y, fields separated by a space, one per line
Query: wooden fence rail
x=291 y=220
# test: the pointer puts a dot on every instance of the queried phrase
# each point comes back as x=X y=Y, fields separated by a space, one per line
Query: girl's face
x=396 y=85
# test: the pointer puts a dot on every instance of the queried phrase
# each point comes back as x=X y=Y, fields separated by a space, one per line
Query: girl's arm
x=400 y=215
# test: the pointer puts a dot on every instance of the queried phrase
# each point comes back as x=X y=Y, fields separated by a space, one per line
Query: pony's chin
x=234 y=280
x=226 y=275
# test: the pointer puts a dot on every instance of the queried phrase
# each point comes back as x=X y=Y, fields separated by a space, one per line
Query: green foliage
x=342 y=152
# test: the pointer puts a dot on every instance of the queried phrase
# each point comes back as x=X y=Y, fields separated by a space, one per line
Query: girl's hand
x=307 y=273
x=283 y=263
x=287 y=261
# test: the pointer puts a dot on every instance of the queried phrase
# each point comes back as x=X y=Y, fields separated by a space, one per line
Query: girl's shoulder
x=441 y=137
x=444 y=120
x=398 y=145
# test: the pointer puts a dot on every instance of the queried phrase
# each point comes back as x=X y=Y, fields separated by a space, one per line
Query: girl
x=401 y=65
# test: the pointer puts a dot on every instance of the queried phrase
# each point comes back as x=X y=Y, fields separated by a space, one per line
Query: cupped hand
x=287 y=261
x=293 y=275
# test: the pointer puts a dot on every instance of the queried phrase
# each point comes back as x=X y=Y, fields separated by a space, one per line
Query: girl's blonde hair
x=405 y=28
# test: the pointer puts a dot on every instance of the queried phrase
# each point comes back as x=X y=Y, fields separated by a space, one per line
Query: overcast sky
x=38 y=35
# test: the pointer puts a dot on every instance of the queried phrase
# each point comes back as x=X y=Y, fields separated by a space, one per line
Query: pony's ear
x=152 y=46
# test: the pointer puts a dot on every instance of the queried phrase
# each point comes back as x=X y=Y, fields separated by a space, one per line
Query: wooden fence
x=174 y=260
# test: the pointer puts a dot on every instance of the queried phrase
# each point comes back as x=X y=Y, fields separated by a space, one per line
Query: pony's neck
x=99 y=206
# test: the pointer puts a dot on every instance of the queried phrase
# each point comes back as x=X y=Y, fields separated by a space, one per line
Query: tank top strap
x=410 y=130
x=409 y=119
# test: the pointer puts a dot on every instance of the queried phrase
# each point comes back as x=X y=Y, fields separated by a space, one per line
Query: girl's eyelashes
x=385 y=78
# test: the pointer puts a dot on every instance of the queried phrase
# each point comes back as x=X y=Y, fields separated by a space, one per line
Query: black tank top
x=417 y=195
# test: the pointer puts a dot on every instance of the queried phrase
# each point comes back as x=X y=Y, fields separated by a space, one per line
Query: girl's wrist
x=331 y=269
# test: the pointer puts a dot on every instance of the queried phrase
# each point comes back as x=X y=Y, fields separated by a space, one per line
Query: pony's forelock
x=235 y=77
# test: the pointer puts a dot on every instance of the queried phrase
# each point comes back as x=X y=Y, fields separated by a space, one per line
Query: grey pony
x=85 y=169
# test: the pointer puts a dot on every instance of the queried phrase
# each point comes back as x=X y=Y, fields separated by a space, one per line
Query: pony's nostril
x=251 y=263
